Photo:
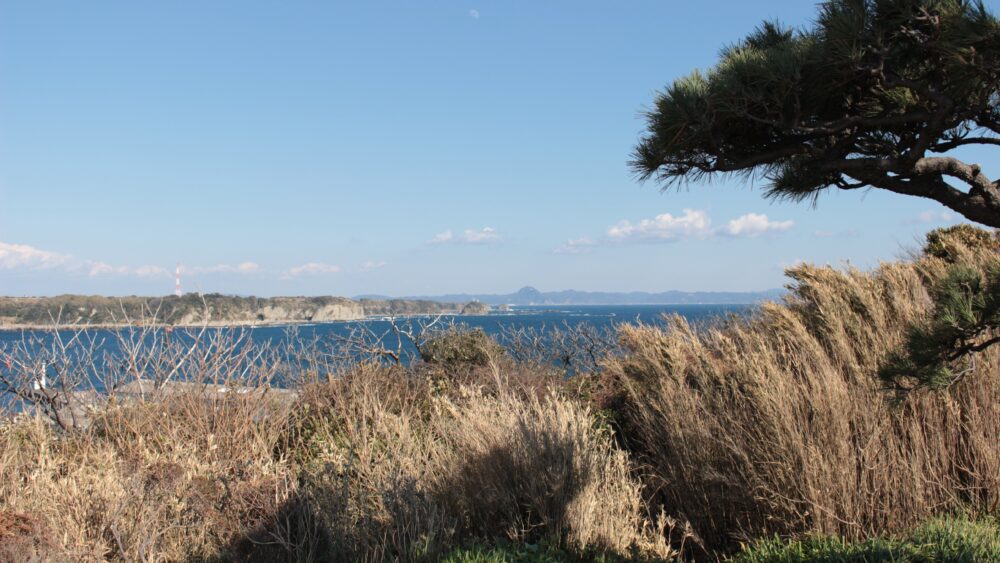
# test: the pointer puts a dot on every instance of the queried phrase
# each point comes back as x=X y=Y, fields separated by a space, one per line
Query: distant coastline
x=530 y=296
x=69 y=312
x=212 y=310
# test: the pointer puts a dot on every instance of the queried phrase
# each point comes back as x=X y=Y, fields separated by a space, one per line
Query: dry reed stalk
x=778 y=424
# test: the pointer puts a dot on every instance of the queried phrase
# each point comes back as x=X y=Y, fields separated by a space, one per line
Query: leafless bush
x=576 y=349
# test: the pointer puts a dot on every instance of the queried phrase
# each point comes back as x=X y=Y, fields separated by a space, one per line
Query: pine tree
x=877 y=94
x=965 y=318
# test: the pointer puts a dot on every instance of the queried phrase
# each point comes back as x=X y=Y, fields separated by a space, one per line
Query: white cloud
x=933 y=217
x=104 y=269
x=580 y=245
x=474 y=14
x=754 y=225
x=310 y=269
x=791 y=263
x=486 y=235
x=439 y=238
x=372 y=265
x=151 y=272
x=664 y=227
x=241 y=268
x=18 y=256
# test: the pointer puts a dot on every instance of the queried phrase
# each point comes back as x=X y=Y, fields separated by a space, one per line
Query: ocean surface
x=540 y=318
x=332 y=337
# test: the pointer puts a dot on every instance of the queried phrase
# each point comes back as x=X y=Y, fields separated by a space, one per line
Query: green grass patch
x=956 y=540
x=547 y=552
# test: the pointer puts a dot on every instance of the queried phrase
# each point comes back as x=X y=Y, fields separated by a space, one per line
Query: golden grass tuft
x=408 y=475
x=778 y=423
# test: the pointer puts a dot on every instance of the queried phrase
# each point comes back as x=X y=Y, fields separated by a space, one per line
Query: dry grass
x=379 y=464
x=778 y=424
x=185 y=477
x=406 y=471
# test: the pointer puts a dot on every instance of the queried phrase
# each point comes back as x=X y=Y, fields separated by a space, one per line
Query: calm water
x=328 y=338
x=538 y=318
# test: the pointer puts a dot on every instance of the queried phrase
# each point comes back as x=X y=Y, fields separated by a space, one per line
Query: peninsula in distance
x=232 y=310
x=530 y=296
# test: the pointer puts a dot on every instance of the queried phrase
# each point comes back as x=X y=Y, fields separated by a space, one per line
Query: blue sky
x=288 y=148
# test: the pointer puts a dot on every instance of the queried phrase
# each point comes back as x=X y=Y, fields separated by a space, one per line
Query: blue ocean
x=540 y=326
x=537 y=318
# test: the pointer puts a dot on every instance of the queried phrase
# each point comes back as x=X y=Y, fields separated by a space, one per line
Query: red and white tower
x=177 y=285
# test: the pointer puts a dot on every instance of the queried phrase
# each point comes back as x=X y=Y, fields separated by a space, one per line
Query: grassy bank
x=676 y=442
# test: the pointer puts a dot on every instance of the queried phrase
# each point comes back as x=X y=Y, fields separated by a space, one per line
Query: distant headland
x=530 y=296
x=212 y=309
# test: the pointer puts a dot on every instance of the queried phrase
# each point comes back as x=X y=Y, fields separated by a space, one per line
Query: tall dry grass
x=378 y=464
x=778 y=423
x=400 y=469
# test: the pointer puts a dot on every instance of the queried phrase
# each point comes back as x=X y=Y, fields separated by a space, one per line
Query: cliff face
x=278 y=310
x=476 y=308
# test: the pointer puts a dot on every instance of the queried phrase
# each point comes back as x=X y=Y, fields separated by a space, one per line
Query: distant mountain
x=531 y=296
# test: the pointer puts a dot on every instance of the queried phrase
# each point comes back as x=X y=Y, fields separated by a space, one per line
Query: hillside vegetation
x=193 y=309
x=769 y=438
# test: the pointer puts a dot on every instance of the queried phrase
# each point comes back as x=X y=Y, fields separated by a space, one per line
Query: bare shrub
x=778 y=423
x=164 y=451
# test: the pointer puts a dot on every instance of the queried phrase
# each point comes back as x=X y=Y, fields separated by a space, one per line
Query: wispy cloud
x=791 y=263
x=754 y=225
x=850 y=233
x=98 y=269
x=372 y=265
x=310 y=269
x=933 y=217
x=241 y=268
x=105 y=269
x=151 y=272
x=580 y=245
x=486 y=235
x=22 y=256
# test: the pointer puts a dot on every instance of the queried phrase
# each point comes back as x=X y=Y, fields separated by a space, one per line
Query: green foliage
x=460 y=347
x=942 y=539
x=857 y=100
x=965 y=317
x=543 y=552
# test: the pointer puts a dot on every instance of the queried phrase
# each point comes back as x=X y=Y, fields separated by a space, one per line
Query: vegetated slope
x=195 y=309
